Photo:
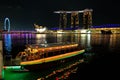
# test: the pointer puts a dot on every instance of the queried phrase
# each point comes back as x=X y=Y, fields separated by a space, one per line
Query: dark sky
x=24 y=13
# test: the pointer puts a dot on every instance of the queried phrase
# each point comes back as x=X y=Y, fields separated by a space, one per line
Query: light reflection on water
x=62 y=72
x=97 y=43
x=40 y=38
x=7 y=43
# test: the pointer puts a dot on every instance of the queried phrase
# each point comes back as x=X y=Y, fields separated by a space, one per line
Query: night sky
x=24 y=13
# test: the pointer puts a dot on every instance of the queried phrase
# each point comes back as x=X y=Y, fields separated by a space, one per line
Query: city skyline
x=23 y=14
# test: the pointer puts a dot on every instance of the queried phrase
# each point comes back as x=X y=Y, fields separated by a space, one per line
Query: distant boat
x=49 y=56
x=106 y=32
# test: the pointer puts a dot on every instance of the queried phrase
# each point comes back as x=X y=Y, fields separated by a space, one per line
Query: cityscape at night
x=24 y=13
x=59 y=39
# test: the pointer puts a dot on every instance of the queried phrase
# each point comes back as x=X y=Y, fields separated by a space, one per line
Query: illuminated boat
x=44 y=56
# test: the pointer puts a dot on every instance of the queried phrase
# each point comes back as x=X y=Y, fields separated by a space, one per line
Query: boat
x=106 y=32
x=47 y=56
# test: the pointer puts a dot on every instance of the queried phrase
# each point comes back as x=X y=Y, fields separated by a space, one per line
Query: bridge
x=113 y=28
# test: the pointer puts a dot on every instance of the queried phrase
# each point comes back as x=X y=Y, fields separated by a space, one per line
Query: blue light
x=7 y=20
x=8 y=43
x=107 y=26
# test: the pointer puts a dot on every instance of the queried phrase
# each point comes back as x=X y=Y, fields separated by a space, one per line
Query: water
x=102 y=56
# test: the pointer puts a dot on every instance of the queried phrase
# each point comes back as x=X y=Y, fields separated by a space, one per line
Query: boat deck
x=53 y=58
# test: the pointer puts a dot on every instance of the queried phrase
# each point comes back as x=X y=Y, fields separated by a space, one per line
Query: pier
x=1 y=60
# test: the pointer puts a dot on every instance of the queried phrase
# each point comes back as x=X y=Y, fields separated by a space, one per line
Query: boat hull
x=52 y=64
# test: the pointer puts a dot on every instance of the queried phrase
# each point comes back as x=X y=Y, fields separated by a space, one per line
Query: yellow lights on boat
x=50 y=48
x=58 y=47
x=54 y=58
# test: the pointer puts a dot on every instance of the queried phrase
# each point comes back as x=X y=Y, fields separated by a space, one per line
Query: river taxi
x=44 y=56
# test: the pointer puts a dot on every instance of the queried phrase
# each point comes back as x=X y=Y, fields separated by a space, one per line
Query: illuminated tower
x=74 y=19
x=60 y=24
x=63 y=20
x=87 y=18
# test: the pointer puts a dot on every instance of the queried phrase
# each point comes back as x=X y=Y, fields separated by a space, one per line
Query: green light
x=2 y=73
x=12 y=67
x=11 y=75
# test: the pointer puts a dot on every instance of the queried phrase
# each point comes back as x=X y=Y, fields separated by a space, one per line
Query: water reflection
x=104 y=40
x=77 y=38
x=63 y=72
x=7 y=43
x=27 y=38
x=13 y=42
x=60 y=72
x=114 y=40
x=96 y=39
x=40 y=38
x=85 y=40
x=88 y=40
x=99 y=43
x=59 y=38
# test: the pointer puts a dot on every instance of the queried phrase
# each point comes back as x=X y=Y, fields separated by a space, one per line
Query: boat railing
x=39 y=53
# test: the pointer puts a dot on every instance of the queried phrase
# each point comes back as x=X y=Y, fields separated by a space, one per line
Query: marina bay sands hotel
x=86 y=21
x=74 y=18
